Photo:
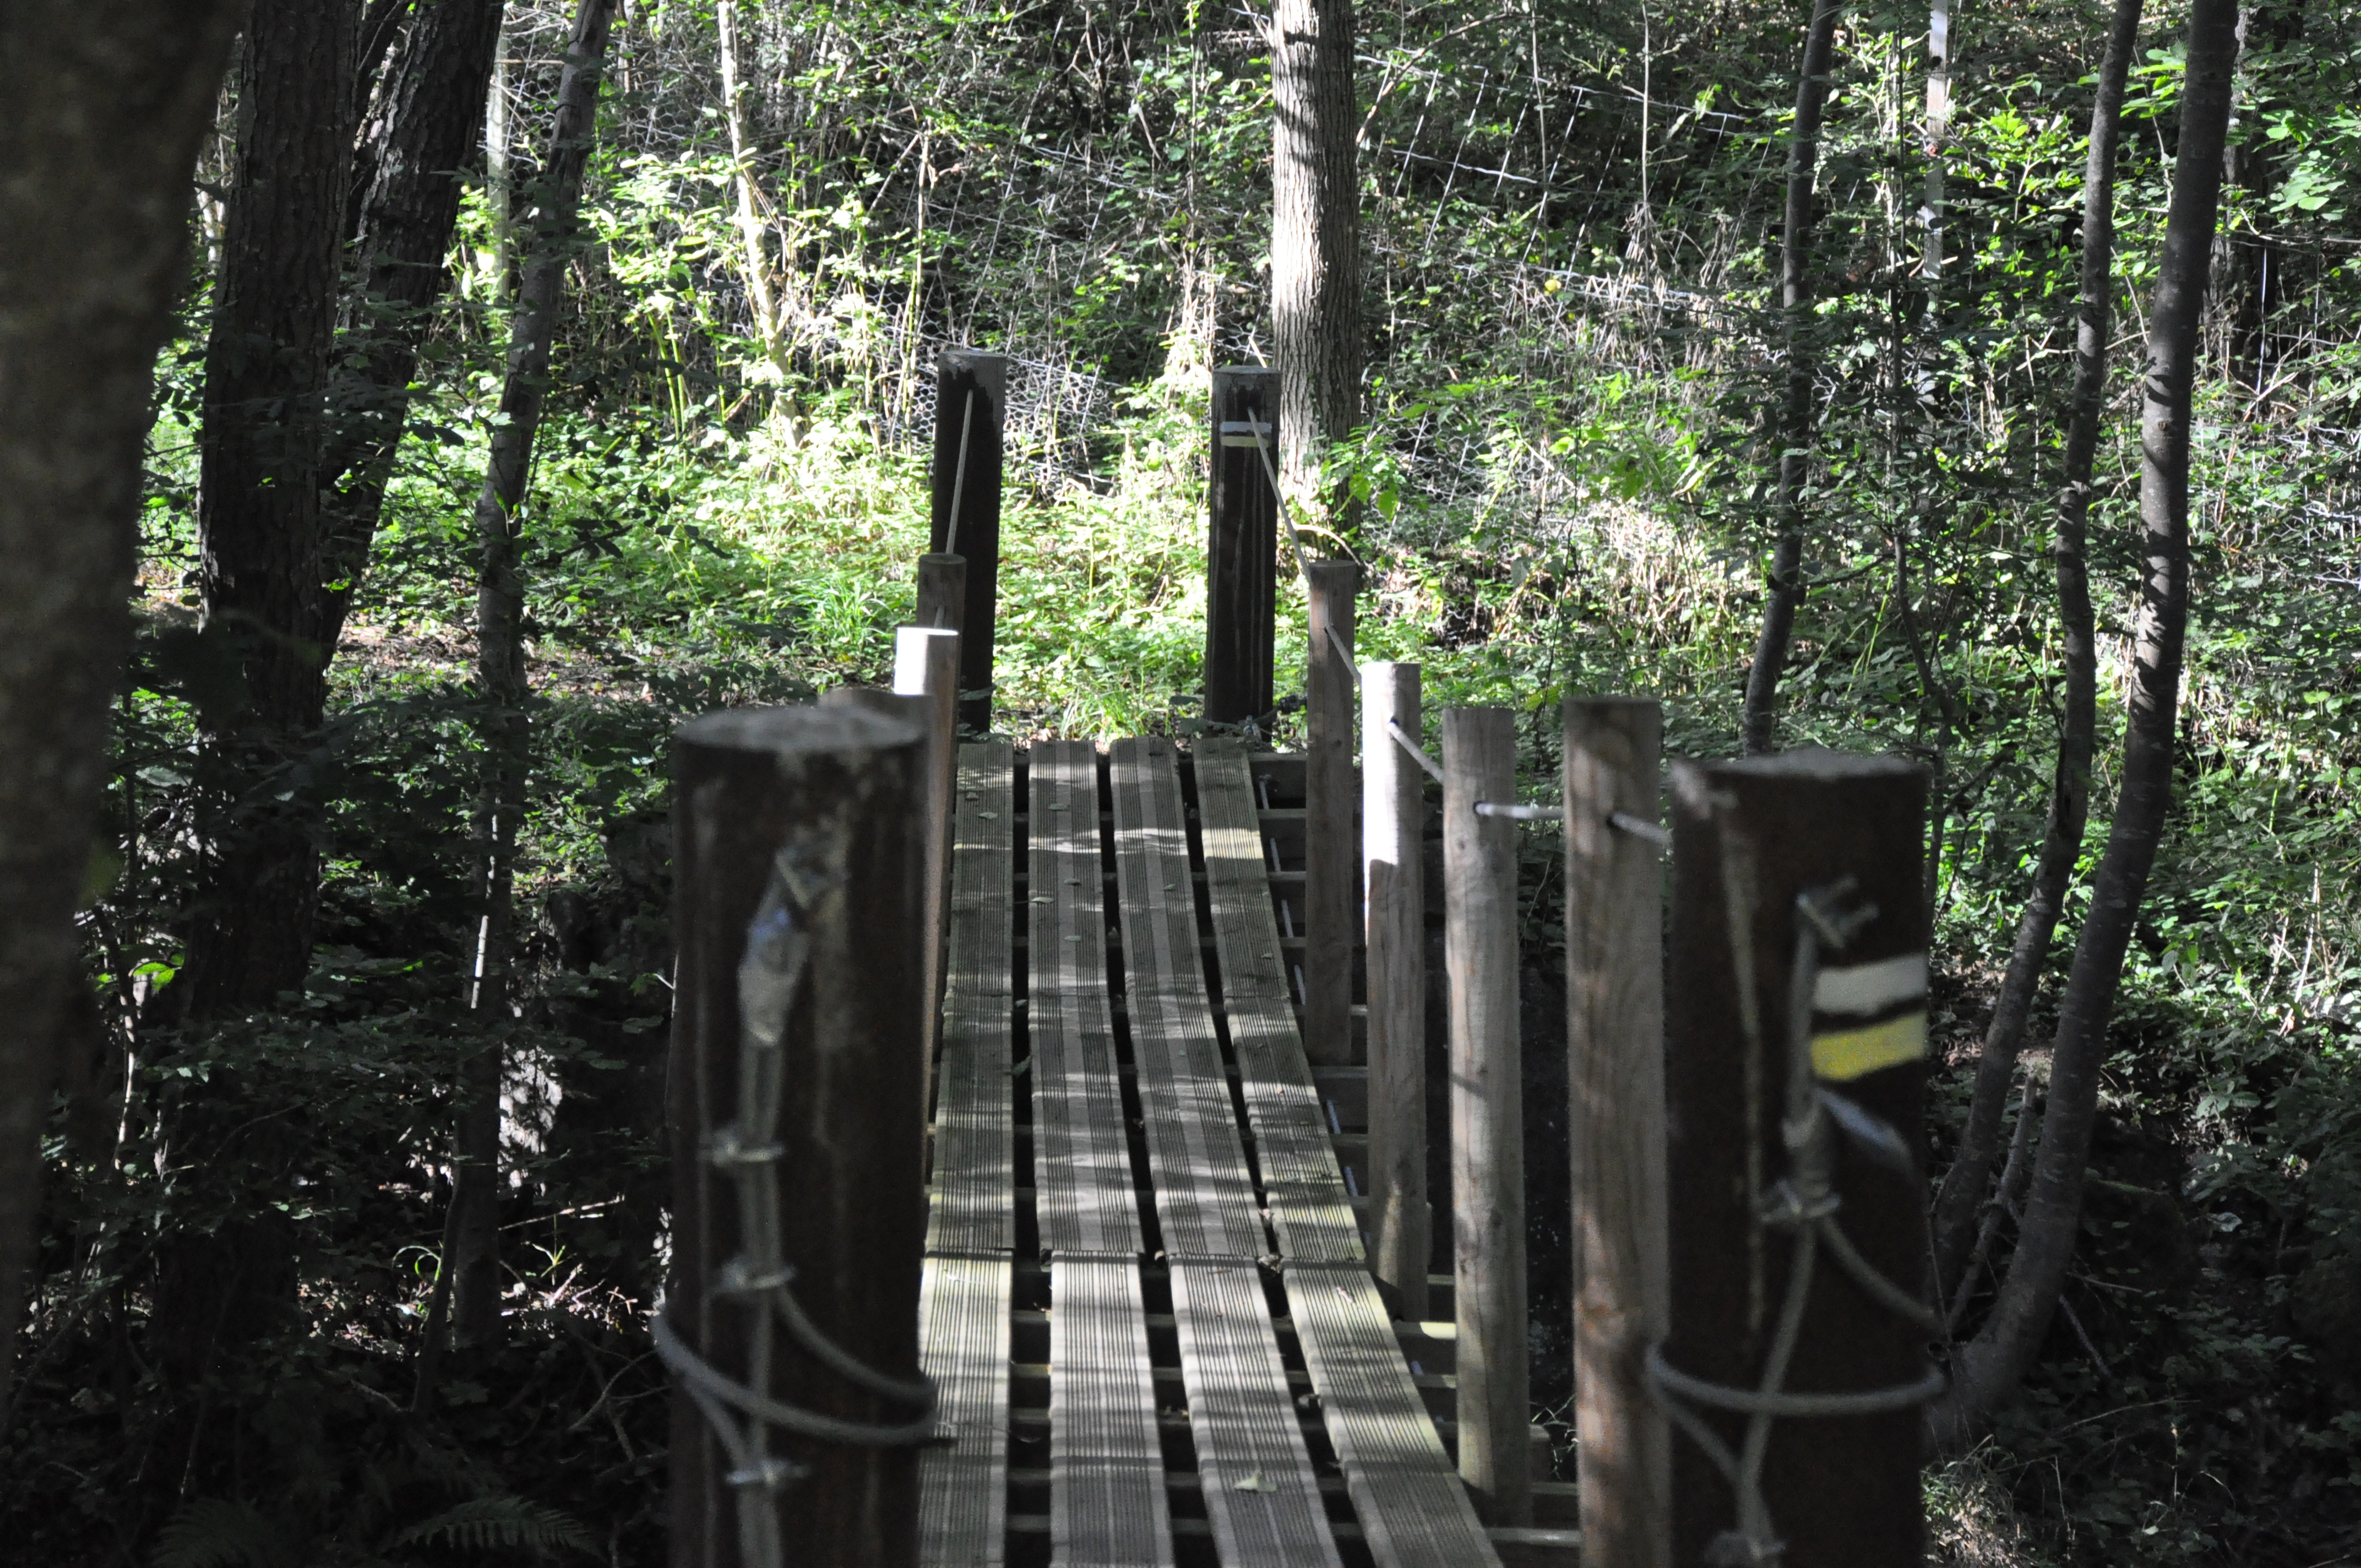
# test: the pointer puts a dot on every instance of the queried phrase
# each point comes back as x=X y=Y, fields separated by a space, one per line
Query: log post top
x=799 y=732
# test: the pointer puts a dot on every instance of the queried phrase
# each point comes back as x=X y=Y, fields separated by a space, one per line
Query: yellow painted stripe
x=1855 y=1052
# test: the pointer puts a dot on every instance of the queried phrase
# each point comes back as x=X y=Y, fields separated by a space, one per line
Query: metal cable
x=771 y=977
x=1640 y=827
x=1408 y=742
x=1805 y=1201
x=1286 y=512
x=958 y=474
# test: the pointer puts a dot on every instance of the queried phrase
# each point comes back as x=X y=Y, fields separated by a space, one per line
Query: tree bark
x=1989 y=1368
x=472 y=1237
x=1315 y=250
x=1938 y=135
x=498 y=194
x=1964 y=1191
x=102 y=104
x=419 y=144
x=1783 y=589
x=258 y=497
x=760 y=294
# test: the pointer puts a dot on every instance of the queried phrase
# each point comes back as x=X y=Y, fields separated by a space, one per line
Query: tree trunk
x=472 y=1239
x=1988 y=1369
x=497 y=195
x=1315 y=250
x=421 y=140
x=1963 y=1190
x=1938 y=135
x=258 y=497
x=102 y=104
x=759 y=295
x=1783 y=589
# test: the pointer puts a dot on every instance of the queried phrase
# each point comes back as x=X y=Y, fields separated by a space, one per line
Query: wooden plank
x=1414 y=1510
x=964 y=1335
x=1261 y=1493
x=1414 y=1513
x=964 y=1296
x=1107 y=1502
x=1310 y=1206
x=1082 y=1158
x=1205 y=1202
x=972 y=1204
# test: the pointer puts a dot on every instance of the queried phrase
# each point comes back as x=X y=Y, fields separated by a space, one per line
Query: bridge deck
x=1164 y=1348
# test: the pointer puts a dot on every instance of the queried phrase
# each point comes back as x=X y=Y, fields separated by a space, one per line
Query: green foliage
x=1560 y=487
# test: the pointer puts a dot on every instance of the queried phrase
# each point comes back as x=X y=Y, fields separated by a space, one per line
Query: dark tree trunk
x=2255 y=283
x=258 y=501
x=472 y=1239
x=421 y=139
x=102 y=105
x=1964 y=1185
x=1783 y=589
x=1315 y=252
x=1989 y=1368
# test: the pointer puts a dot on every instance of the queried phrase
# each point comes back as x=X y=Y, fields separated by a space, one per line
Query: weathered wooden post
x=1242 y=545
x=942 y=591
x=1615 y=1077
x=925 y=666
x=1393 y=870
x=790 y=1322
x=971 y=409
x=1332 y=861
x=1795 y=1065
x=1487 y=1156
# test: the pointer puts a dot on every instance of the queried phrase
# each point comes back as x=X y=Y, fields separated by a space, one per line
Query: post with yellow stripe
x=1796 y=1040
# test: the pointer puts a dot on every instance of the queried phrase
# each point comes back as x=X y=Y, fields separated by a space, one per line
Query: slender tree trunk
x=472 y=1238
x=760 y=294
x=258 y=497
x=1783 y=589
x=498 y=195
x=1938 y=135
x=102 y=105
x=420 y=142
x=1964 y=1185
x=1315 y=250
x=1989 y=1368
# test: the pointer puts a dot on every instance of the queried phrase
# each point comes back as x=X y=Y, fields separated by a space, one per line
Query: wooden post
x=1241 y=546
x=1615 y=1078
x=925 y=666
x=1332 y=859
x=1749 y=838
x=971 y=407
x=942 y=591
x=796 y=827
x=1487 y=1154
x=1393 y=870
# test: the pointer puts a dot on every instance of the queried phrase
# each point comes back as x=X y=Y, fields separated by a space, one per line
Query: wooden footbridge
x=1147 y=1298
x=1017 y=1037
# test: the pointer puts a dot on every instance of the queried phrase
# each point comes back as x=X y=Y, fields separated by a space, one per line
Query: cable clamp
x=730 y=1151
x=1785 y=1207
x=738 y=1278
x=770 y=1474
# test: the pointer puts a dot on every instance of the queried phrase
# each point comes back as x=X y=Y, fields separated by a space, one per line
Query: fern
x=490 y=1524
x=214 y=1532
